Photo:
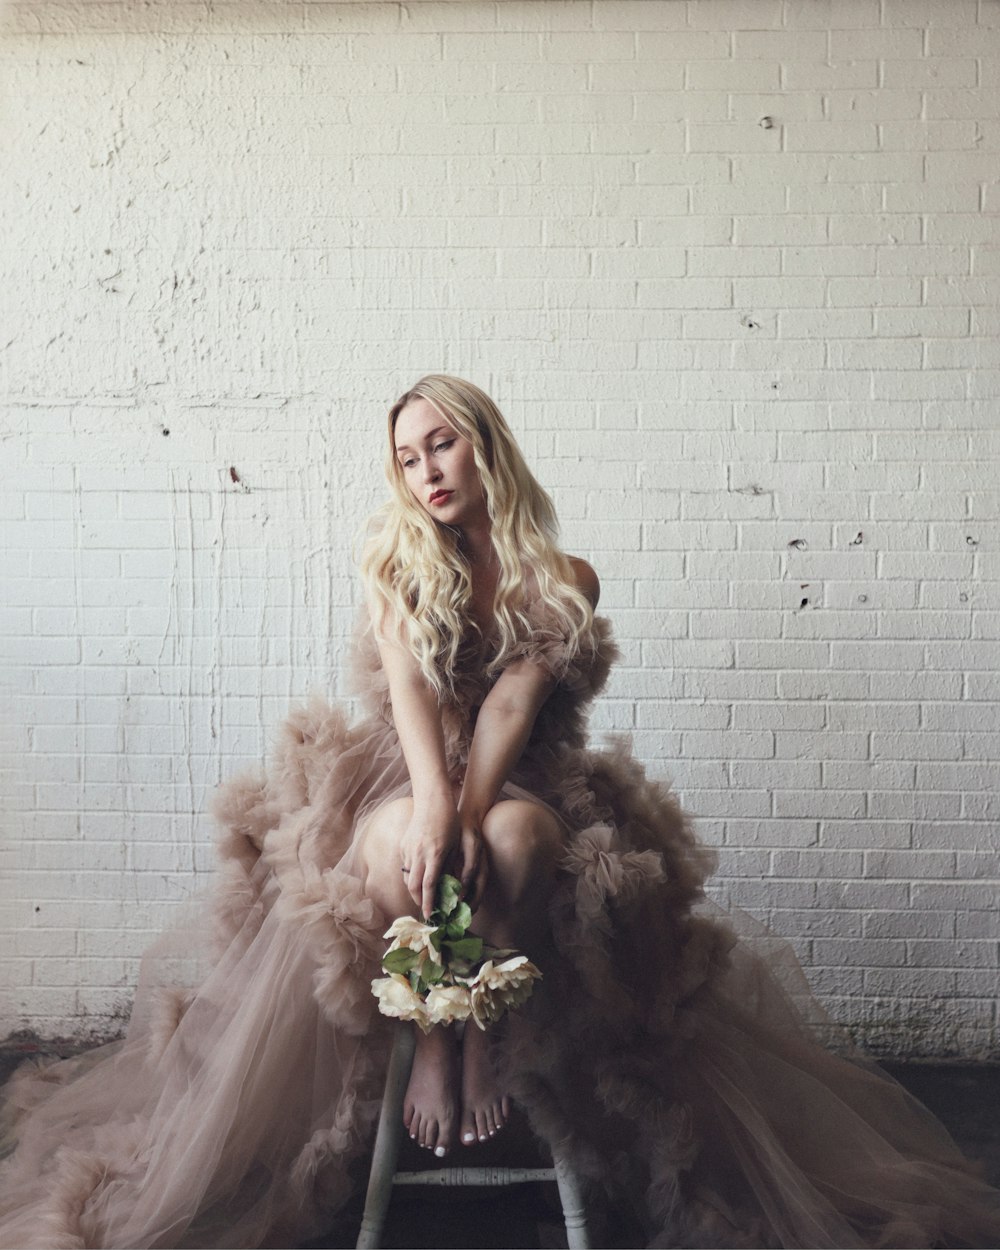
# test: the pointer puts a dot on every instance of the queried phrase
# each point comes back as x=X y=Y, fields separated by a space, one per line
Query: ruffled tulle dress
x=682 y=1068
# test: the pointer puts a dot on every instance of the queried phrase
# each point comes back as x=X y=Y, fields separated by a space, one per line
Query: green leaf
x=432 y=972
x=448 y=893
x=466 y=948
x=402 y=959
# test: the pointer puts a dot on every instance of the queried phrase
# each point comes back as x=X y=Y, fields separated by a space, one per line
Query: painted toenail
x=469 y=1137
x=484 y=1138
x=440 y=1152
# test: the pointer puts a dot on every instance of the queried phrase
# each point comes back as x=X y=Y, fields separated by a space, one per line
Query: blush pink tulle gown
x=684 y=1070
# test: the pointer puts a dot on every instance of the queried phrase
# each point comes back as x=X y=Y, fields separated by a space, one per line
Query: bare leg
x=485 y=1106
x=523 y=841
x=431 y=1103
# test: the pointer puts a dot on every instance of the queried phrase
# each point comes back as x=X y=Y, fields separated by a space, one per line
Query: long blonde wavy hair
x=417 y=578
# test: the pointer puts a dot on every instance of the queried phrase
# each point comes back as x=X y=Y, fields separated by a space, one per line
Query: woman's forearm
x=433 y=832
x=503 y=727
x=418 y=724
x=417 y=717
x=497 y=744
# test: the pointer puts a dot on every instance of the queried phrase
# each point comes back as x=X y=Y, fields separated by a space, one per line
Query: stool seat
x=384 y=1176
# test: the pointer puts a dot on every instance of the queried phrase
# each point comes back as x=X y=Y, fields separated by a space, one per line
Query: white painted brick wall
x=758 y=367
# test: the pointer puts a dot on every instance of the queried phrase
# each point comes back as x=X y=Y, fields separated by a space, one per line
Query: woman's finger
x=428 y=886
x=476 y=868
x=471 y=851
x=482 y=876
x=413 y=886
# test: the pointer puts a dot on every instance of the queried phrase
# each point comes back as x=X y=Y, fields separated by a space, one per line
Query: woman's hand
x=431 y=838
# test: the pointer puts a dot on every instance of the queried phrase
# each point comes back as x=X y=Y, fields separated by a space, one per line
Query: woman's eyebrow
x=431 y=434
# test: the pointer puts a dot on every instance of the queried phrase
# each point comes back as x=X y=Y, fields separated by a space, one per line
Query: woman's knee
x=522 y=833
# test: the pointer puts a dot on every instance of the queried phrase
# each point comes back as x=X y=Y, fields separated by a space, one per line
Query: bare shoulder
x=587 y=581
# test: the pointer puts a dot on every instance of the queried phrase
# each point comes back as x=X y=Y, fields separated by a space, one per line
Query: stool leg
x=574 y=1211
x=387 y=1140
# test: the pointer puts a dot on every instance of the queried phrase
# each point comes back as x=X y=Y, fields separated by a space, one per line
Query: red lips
x=440 y=496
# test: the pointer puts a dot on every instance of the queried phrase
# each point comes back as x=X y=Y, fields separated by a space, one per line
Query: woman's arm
x=434 y=830
x=503 y=727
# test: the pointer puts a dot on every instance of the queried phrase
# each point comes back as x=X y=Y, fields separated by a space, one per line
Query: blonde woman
x=447 y=571
x=673 y=1064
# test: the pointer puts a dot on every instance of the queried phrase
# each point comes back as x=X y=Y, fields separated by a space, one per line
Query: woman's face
x=438 y=466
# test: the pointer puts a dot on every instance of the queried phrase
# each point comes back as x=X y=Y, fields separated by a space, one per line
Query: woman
x=441 y=569
x=670 y=1062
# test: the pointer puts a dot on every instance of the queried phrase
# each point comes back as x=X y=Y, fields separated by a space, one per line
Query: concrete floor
x=965 y=1097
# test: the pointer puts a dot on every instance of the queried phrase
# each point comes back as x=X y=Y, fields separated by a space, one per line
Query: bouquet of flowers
x=440 y=973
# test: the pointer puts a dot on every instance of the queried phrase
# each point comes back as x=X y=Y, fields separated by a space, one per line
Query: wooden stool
x=389 y=1137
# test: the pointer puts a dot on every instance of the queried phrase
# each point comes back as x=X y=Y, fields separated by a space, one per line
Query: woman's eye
x=445 y=445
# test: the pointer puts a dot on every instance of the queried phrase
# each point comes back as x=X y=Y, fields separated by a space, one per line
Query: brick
x=893 y=982
x=631 y=15
x=834 y=15
x=863 y=896
x=821 y=75
x=950 y=954
x=832 y=136
x=903 y=13
x=977 y=924
x=860 y=952
x=816 y=864
x=855 y=834
x=909 y=924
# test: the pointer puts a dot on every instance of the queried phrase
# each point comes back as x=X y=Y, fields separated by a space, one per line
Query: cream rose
x=498 y=987
x=447 y=1004
x=414 y=935
x=396 y=997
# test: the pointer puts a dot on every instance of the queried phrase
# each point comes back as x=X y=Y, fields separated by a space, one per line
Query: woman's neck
x=477 y=547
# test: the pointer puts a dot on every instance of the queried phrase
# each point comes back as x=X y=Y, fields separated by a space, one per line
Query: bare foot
x=485 y=1107
x=430 y=1108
